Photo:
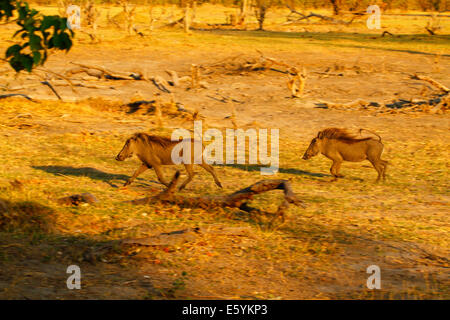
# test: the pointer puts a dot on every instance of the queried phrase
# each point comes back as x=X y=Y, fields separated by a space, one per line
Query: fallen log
x=238 y=199
x=107 y=74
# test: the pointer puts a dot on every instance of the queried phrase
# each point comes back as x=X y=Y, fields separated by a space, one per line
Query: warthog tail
x=379 y=138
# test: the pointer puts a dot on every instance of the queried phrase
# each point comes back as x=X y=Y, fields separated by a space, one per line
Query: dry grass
x=321 y=252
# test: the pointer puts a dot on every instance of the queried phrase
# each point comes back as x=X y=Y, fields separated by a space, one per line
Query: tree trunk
x=260 y=12
x=243 y=12
x=187 y=17
x=336 y=6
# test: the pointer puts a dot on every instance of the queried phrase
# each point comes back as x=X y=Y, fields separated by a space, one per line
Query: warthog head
x=313 y=149
x=127 y=150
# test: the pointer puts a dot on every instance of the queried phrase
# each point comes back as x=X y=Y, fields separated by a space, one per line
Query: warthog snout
x=313 y=149
x=122 y=157
x=126 y=152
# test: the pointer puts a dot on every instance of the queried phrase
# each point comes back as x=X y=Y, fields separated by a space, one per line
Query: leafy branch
x=37 y=35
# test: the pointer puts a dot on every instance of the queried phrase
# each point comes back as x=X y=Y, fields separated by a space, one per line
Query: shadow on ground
x=35 y=256
x=83 y=172
x=253 y=167
x=331 y=39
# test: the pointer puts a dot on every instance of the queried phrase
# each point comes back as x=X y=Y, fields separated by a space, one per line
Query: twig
x=432 y=81
x=8 y=95
x=60 y=76
x=47 y=83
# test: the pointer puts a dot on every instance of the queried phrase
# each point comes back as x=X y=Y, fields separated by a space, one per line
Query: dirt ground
x=59 y=148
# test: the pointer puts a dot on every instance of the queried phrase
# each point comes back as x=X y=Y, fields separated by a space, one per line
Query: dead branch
x=160 y=83
x=296 y=83
x=59 y=76
x=90 y=72
x=238 y=199
x=105 y=73
x=433 y=25
x=433 y=106
x=82 y=84
x=27 y=86
x=315 y=15
x=179 y=21
x=9 y=95
x=443 y=105
x=432 y=81
x=349 y=105
x=112 y=20
x=175 y=79
x=48 y=84
x=224 y=99
x=430 y=31
x=195 y=76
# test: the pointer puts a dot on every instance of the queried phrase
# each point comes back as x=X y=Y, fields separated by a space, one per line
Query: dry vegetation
x=54 y=147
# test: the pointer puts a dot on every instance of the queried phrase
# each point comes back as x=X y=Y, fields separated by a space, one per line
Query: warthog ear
x=319 y=135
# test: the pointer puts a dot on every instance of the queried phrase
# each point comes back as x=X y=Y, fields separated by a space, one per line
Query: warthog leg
x=160 y=175
x=210 y=169
x=143 y=167
x=190 y=173
x=335 y=169
x=385 y=164
x=379 y=166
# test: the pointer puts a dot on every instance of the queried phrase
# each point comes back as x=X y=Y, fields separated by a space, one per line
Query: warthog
x=156 y=151
x=338 y=145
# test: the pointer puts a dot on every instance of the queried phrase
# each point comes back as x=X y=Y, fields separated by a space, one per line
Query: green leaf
x=36 y=58
x=49 y=21
x=16 y=64
x=27 y=61
x=13 y=50
x=6 y=9
x=66 y=43
x=22 y=13
x=29 y=24
x=35 y=42
x=36 y=30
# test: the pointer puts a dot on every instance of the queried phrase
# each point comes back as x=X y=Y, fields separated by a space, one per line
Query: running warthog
x=156 y=151
x=338 y=145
